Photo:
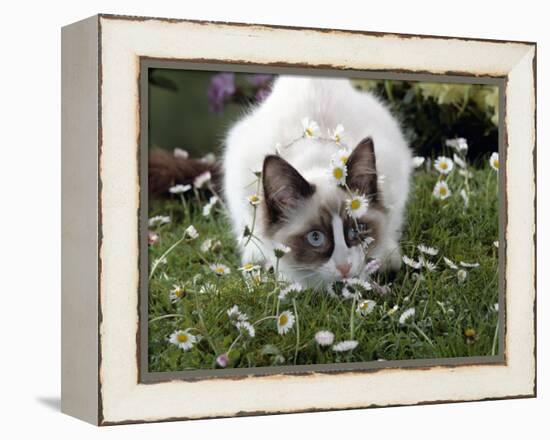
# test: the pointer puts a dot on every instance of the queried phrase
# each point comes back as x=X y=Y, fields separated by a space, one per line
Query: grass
x=452 y=318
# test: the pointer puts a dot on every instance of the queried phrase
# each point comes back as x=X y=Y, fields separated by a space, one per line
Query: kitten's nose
x=344 y=269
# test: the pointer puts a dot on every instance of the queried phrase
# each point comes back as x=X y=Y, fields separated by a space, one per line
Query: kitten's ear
x=284 y=187
x=362 y=169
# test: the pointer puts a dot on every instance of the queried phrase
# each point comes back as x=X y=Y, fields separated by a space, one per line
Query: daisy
x=459 y=161
x=495 y=307
x=285 y=321
x=495 y=244
x=220 y=269
x=441 y=190
x=493 y=161
x=206 y=209
x=366 y=307
x=336 y=135
x=206 y=245
x=345 y=346
x=176 y=293
x=183 y=339
x=191 y=232
x=202 y=179
x=235 y=313
x=449 y=263
x=393 y=310
x=295 y=287
x=428 y=250
x=461 y=275
x=428 y=265
x=357 y=206
x=249 y=267
x=341 y=156
x=208 y=288
x=360 y=283
x=324 y=338
x=443 y=164
x=159 y=220
x=417 y=161
x=372 y=267
x=222 y=360
x=407 y=314
x=350 y=294
x=411 y=263
x=152 y=238
x=254 y=199
x=246 y=326
x=280 y=250
x=180 y=153
x=310 y=127
x=179 y=189
x=338 y=172
x=459 y=144
x=463 y=264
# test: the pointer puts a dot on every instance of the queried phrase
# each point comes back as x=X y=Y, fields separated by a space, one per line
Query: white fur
x=278 y=121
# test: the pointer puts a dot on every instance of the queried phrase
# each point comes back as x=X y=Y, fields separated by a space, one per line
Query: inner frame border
x=142 y=336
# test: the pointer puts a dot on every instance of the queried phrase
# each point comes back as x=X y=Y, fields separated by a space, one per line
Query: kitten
x=301 y=206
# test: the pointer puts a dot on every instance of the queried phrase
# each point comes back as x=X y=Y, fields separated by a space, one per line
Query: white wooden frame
x=101 y=194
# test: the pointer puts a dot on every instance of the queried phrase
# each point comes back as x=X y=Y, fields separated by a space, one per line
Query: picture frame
x=104 y=265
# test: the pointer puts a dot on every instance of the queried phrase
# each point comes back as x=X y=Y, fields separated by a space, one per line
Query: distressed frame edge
x=80 y=220
x=102 y=421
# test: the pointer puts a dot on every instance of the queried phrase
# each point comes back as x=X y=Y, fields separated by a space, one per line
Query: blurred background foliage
x=193 y=110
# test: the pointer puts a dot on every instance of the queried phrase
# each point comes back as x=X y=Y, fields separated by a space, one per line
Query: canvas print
x=308 y=220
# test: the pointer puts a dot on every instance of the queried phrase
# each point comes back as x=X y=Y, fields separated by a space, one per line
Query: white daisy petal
x=428 y=250
x=417 y=161
x=345 y=346
x=441 y=190
x=357 y=206
x=493 y=161
x=406 y=315
x=285 y=321
x=324 y=338
x=182 y=339
x=444 y=165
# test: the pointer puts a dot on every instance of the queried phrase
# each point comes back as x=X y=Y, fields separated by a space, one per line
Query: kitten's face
x=311 y=219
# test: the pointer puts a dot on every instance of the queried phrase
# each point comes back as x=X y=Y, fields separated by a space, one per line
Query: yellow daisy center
x=469 y=332
x=495 y=163
x=248 y=266
x=283 y=319
x=338 y=173
x=443 y=191
x=254 y=199
x=182 y=338
x=337 y=138
x=309 y=131
x=355 y=204
x=179 y=293
x=444 y=165
x=220 y=270
x=344 y=159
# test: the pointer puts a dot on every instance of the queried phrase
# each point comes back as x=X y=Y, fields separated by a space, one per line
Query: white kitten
x=301 y=205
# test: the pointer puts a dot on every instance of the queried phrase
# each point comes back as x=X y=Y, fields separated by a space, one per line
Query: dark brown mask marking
x=303 y=252
x=284 y=188
x=362 y=170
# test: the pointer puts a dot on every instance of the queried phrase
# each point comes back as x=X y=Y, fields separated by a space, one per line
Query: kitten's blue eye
x=316 y=238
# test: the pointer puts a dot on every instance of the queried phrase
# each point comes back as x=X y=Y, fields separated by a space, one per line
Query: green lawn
x=452 y=318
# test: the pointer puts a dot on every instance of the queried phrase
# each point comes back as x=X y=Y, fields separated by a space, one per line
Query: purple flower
x=222 y=87
x=259 y=79
x=222 y=360
x=262 y=93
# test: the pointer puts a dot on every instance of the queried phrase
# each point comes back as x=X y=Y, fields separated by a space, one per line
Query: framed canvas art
x=262 y=219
